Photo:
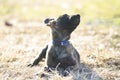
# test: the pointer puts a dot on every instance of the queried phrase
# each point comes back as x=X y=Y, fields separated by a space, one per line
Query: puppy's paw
x=65 y=73
x=47 y=69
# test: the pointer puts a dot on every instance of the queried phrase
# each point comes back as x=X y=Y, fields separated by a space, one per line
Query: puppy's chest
x=62 y=52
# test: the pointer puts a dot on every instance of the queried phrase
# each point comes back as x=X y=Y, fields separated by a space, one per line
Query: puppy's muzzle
x=48 y=21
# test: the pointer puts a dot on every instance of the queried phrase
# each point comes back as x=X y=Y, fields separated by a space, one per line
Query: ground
x=23 y=34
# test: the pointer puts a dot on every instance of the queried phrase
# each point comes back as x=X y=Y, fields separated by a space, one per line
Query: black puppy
x=60 y=53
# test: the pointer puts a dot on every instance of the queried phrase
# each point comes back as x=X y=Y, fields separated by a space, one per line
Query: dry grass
x=98 y=47
x=97 y=38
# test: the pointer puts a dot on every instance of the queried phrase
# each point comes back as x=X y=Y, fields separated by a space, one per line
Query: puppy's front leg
x=39 y=57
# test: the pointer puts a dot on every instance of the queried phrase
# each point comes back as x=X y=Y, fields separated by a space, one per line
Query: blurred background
x=23 y=34
x=92 y=11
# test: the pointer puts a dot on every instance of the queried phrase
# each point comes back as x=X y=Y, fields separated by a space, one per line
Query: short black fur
x=60 y=56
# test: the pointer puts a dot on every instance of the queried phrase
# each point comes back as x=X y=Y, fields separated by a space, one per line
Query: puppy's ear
x=49 y=22
x=75 y=20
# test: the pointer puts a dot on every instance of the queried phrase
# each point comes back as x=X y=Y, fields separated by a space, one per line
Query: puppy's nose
x=47 y=20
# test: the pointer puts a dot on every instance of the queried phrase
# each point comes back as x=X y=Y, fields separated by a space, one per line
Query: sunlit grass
x=97 y=38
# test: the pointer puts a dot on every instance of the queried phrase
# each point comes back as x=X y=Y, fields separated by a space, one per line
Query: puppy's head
x=64 y=22
x=63 y=26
